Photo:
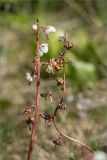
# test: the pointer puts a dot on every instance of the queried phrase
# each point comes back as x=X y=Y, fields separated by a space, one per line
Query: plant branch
x=56 y=110
x=36 y=115
x=64 y=85
x=70 y=138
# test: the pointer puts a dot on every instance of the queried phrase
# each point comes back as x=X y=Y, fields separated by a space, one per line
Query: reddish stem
x=36 y=115
x=64 y=85
x=55 y=113
x=70 y=138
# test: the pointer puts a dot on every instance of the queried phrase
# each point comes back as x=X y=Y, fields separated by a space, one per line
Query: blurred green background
x=85 y=23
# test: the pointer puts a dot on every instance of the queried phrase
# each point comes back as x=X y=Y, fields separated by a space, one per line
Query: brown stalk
x=70 y=138
x=61 y=105
x=55 y=113
x=36 y=115
x=64 y=85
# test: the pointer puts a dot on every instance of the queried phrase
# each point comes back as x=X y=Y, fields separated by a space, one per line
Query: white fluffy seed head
x=34 y=27
x=50 y=29
x=43 y=49
x=99 y=155
x=49 y=69
x=29 y=77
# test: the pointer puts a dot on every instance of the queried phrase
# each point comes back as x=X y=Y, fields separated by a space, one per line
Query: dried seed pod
x=28 y=110
x=29 y=120
x=29 y=77
x=49 y=69
x=34 y=74
x=68 y=45
x=58 y=68
x=60 y=81
x=50 y=97
x=62 y=53
x=62 y=37
x=46 y=116
x=36 y=59
x=57 y=141
x=60 y=61
x=53 y=62
x=61 y=106
x=45 y=95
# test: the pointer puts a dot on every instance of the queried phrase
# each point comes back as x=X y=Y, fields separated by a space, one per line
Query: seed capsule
x=59 y=81
x=58 y=68
x=68 y=45
x=57 y=141
x=61 y=106
x=49 y=69
x=53 y=62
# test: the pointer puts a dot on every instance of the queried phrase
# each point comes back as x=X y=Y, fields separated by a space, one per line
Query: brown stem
x=36 y=115
x=70 y=138
x=64 y=85
x=56 y=110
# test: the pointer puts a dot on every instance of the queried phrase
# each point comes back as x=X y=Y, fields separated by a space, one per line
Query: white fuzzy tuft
x=50 y=29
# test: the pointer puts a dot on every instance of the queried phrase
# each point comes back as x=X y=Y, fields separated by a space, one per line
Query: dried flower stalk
x=53 y=66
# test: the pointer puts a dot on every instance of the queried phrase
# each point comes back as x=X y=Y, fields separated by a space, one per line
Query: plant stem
x=64 y=85
x=55 y=113
x=36 y=115
x=70 y=138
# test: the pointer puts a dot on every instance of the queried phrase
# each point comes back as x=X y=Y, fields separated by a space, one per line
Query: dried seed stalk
x=54 y=65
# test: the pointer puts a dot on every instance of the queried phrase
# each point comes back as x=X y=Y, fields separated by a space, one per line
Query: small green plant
x=53 y=66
